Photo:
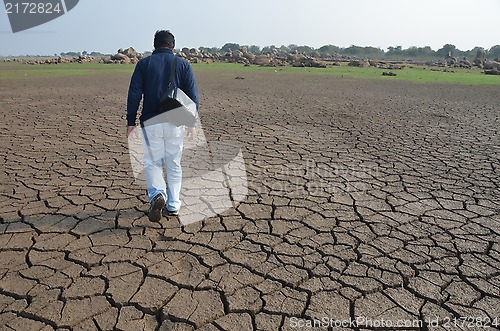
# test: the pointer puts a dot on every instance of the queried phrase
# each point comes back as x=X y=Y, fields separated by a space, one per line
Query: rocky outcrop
x=277 y=57
x=58 y=60
x=359 y=63
x=465 y=63
x=480 y=57
x=262 y=60
x=125 y=56
x=310 y=62
x=491 y=65
x=122 y=58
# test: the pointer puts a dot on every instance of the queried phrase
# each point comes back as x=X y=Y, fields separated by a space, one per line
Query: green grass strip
x=417 y=74
x=15 y=70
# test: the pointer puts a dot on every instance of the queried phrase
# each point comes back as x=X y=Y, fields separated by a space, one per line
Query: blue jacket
x=150 y=78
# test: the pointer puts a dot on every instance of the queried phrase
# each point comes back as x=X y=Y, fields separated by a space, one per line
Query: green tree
x=254 y=49
x=211 y=50
x=418 y=52
x=426 y=52
x=284 y=48
x=370 y=51
x=494 y=51
x=329 y=49
x=394 y=51
x=230 y=46
x=302 y=49
x=268 y=49
x=353 y=50
x=446 y=49
x=411 y=52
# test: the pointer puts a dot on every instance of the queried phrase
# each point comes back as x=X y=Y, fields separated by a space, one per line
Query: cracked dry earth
x=367 y=201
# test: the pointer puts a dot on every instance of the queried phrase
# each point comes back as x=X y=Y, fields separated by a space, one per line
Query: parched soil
x=370 y=203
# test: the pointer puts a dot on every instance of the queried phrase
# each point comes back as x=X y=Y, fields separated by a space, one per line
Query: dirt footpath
x=371 y=204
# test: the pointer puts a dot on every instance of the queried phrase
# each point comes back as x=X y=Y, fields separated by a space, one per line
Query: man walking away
x=163 y=141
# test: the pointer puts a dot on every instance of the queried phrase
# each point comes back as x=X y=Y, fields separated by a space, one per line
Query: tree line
x=363 y=51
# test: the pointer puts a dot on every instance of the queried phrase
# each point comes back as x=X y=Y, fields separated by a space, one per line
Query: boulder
x=262 y=60
x=312 y=62
x=450 y=61
x=238 y=55
x=359 y=63
x=480 y=57
x=249 y=56
x=229 y=54
x=122 y=58
x=465 y=63
x=294 y=57
x=488 y=65
x=130 y=52
x=481 y=54
x=492 y=72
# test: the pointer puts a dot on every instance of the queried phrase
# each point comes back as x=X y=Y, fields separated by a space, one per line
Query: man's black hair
x=164 y=38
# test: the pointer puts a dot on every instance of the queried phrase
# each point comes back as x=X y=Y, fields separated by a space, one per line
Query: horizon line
x=246 y=45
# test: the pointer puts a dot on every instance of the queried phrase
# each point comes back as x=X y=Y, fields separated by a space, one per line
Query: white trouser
x=163 y=144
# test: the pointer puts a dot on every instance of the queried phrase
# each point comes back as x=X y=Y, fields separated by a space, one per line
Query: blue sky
x=106 y=25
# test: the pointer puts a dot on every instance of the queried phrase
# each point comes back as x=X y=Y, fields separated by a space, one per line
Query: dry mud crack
x=367 y=202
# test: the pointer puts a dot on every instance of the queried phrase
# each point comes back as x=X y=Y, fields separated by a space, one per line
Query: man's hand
x=130 y=130
x=191 y=133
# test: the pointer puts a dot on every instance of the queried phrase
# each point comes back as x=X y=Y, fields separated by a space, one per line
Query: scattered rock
x=262 y=60
x=120 y=57
x=489 y=65
x=359 y=63
x=465 y=63
x=129 y=55
x=492 y=72
x=388 y=73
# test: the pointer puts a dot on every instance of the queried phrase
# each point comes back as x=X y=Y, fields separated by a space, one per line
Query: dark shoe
x=167 y=212
x=157 y=205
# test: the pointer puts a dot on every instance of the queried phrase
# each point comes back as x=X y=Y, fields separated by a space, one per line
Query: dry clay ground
x=370 y=203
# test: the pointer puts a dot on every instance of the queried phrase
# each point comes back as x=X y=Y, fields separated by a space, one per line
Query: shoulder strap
x=172 y=71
